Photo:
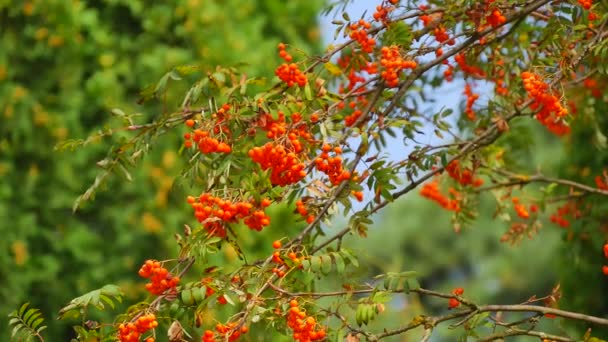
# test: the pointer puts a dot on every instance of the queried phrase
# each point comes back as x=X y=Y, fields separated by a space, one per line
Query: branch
x=524 y=179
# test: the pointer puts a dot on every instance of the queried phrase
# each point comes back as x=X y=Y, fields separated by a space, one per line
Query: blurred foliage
x=64 y=65
x=584 y=285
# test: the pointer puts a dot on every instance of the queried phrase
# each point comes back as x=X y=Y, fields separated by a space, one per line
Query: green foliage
x=64 y=68
x=26 y=321
x=78 y=306
x=100 y=238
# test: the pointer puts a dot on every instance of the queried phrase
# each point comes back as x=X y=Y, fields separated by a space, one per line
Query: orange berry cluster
x=521 y=210
x=431 y=191
x=360 y=102
x=284 y=54
x=332 y=166
x=359 y=33
x=568 y=209
x=393 y=63
x=496 y=18
x=289 y=73
x=592 y=84
x=453 y=302
x=586 y=3
x=301 y=209
x=500 y=88
x=441 y=35
x=131 y=332
x=468 y=69
x=160 y=278
x=276 y=258
x=277 y=129
x=222 y=331
x=285 y=167
x=353 y=78
x=358 y=195
x=382 y=12
x=304 y=327
x=214 y=210
x=602 y=182
x=605 y=268
x=205 y=143
x=464 y=177
x=221 y=117
x=471 y=98
x=551 y=113
x=209 y=291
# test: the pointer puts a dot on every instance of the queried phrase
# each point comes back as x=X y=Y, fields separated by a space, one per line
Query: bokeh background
x=64 y=65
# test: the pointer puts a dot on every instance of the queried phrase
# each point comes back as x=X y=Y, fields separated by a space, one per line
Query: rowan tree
x=314 y=140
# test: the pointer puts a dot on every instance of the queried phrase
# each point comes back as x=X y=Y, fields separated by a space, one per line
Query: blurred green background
x=64 y=65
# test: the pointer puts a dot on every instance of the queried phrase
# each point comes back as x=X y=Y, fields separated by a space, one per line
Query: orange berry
x=276 y=244
x=190 y=123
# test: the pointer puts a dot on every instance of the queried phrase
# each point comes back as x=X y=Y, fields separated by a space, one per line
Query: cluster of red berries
x=214 y=211
x=462 y=176
x=551 y=113
x=205 y=143
x=393 y=63
x=332 y=166
x=222 y=330
x=209 y=291
x=560 y=216
x=496 y=18
x=160 y=278
x=348 y=62
x=360 y=34
x=448 y=73
x=468 y=69
x=431 y=191
x=289 y=73
x=358 y=195
x=586 y=3
x=276 y=258
x=279 y=128
x=352 y=118
x=454 y=302
x=605 y=268
x=602 y=182
x=521 y=209
x=131 y=332
x=381 y=13
x=284 y=54
x=221 y=117
x=285 y=167
x=500 y=88
x=441 y=35
x=304 y=327
x=592 y=84
x=471 y=98
x=301 y=209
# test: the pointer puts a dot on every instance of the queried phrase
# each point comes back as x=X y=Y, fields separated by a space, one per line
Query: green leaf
x=315 y=263
x=339 y=261
x=26 y=320
x=325 y=264
x=398 y=33
x=79 y=304
x=307 y=92
x=187 y=298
